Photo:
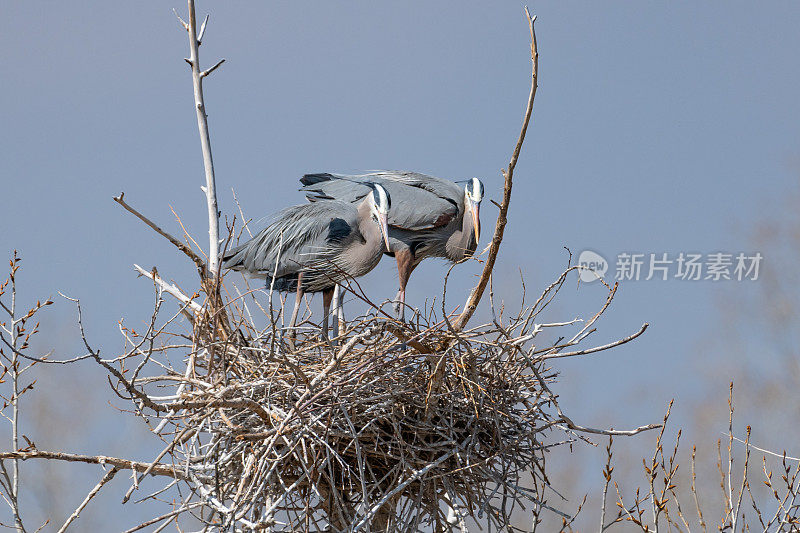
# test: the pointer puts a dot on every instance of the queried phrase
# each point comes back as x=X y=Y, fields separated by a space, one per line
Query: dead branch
x=108 y=476
x=508 y=175
x=608 y=346
x=201 y=265
x=210 y=188
x=120 y=464
x=170 y=288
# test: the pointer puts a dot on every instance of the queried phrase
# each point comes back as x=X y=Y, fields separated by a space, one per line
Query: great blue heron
x=312 y=247
x=430 y=217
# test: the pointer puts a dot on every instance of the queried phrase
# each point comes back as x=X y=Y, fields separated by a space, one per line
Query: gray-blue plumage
x=426 y=215
x=323 y=241
x=429 y=216
x=314 y=247
x=419 y=202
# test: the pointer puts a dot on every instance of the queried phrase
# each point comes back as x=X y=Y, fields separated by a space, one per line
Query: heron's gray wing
x=414 y=207
x=440 y=187
x=332 y=187
x=300 y=237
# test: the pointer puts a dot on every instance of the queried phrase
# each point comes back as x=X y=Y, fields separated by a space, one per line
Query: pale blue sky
x=658 y=127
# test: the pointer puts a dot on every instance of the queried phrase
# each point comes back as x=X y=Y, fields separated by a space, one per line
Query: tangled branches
x=368 y=435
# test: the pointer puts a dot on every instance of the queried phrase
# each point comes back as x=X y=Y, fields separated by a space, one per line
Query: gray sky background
x=658 y=127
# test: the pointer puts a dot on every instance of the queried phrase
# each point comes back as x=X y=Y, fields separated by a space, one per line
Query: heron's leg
x=327 y=296
x=297 y=300
x=400 y=305
x=340 y=311
x=335 y=313
x=405 y=265
x=339 y=325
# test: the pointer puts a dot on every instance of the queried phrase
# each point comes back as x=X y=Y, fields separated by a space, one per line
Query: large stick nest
x=394 y=425
x=369 y=428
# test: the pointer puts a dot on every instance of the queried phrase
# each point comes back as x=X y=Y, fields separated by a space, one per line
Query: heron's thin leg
x=405 y=265
x=340 y=311
x=335 y=313
x=337 y=305
x=327 y=296
x=298 y=299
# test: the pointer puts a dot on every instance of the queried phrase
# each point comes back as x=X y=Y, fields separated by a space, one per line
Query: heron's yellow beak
x=476 y=220
x=384 y=229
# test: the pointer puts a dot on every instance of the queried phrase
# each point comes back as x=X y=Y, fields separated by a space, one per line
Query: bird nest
x=364 y=433
x=391 y=427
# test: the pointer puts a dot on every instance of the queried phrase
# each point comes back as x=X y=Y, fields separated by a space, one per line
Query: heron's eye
x=381 y=198
x=476 y=190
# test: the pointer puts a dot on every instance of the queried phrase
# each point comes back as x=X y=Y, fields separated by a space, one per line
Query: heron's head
x=473 y=194
x=379 y=204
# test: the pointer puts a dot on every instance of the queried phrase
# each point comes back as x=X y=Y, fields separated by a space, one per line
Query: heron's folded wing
x=440 y=187
x=419 y=202
x=301 y=236
x=331 y=187
x=415 y=209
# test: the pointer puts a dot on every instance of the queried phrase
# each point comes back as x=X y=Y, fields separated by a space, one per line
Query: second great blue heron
x=430 y=217
x=312 y=247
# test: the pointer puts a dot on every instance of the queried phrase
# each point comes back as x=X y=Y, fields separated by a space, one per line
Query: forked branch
x=210 y=188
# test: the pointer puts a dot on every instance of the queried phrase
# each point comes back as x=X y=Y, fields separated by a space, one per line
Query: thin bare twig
x=108 y=476
x=170 y=288
x=508 y=174
x=201 y=265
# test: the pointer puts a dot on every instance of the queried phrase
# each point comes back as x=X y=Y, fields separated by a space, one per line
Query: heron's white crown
x=381 y=199
x=474 y=190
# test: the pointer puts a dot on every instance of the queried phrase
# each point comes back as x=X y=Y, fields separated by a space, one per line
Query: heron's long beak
x=384 y=229
x=476 y=220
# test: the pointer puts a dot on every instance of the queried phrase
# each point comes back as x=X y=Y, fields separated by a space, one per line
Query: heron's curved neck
x=366 y=225
x=462 y=242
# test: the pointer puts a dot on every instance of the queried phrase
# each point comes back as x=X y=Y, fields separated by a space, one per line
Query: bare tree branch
x=170 y=288
x=610 y=345
x=120 y=464
x=108 y=476
x=212 y=69
x=508 y=174
x=210 y=188
x=201 y=265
